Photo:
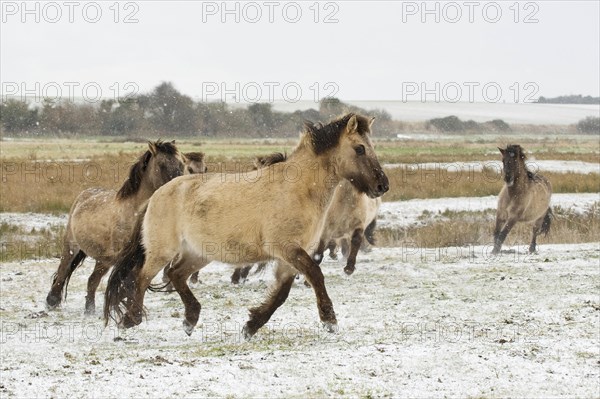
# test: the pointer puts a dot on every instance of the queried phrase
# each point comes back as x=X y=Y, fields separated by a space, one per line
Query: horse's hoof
x=188 y=327
x=52 y=301
x=89 y=312
x=128 y=322
x=248 y=332
x=349 y=270
x=331 y=326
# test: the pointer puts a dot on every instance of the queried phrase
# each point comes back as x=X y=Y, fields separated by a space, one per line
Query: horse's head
x=157 y=166
x=351 y=152
x=512 y=156
x=194 y=163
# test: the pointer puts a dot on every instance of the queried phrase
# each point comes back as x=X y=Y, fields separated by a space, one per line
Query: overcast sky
x=375 y=51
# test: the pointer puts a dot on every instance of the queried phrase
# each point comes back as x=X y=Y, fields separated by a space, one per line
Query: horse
x=525 y=197
x=194 y=163
x=196 y=219
x=101 y=220
x=239 y=273
x=350 y=216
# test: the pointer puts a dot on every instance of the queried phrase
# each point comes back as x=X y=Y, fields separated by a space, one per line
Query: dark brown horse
x=192 y=221
x=525 y=197
x=101 y=220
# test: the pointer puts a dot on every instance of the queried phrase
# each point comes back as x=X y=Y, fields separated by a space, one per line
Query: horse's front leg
x=501 y=236
x=298 y=258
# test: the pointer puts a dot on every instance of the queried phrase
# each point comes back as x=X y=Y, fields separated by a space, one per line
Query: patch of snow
x=447 y=322
x=407 y=213
x=556 y=166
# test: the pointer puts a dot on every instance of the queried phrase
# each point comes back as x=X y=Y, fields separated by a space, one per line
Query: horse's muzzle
x=382 y=187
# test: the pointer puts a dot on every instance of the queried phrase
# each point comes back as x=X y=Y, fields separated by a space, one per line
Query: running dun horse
x=525 y=198
x=101 y=220
x=193 y=221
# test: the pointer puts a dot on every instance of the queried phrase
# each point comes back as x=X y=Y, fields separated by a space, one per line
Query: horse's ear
x=152 y=148
x=352 y=125
x=502 y=151
x=371 y=121
x=309 y=126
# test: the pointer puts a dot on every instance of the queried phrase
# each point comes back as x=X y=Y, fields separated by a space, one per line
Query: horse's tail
x=121 y=284
x=370 y=232
x=75 y=263
x=547 y=222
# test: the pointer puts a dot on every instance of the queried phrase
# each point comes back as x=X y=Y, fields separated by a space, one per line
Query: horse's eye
x=190 y=170
x=360 y=150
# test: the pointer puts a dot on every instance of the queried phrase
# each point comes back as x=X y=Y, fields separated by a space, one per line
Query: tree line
x=167 y=112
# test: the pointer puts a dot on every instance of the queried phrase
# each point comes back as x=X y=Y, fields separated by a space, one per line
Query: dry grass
x=31 y=182
x=406 y=183
x=19 y=244
x=476 y=228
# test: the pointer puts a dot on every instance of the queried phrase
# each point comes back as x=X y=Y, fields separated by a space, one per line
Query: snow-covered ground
x=413 y=323
x=406 y=213
x=557 y=166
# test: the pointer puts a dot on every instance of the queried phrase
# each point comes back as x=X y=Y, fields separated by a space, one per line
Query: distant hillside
x=573 y=99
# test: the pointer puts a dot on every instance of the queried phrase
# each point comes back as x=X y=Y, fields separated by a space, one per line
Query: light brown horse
x=101 y=220
x=348 y=217
x=193 y=220
x=525 y=197
x=259 y=163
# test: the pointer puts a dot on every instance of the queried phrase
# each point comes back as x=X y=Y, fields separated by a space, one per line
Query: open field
x=427 y=313
x=413 y=323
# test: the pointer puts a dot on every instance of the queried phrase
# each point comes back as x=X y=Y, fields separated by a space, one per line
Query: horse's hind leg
x=332 y=247
x=318 y=255
x=240 y=274
x=537 y=229
x=355 y=243
x=141 y=279
x=302 y=262
x=179 y=272
x=279 y=293
x=194 y=278
x=166 y=281
x=71 y=257
x=102 y=266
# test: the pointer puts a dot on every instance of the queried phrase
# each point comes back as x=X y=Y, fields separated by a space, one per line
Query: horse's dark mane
x=194 y=156
x=136 y=173
x=270 y=159
x=325 y=137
